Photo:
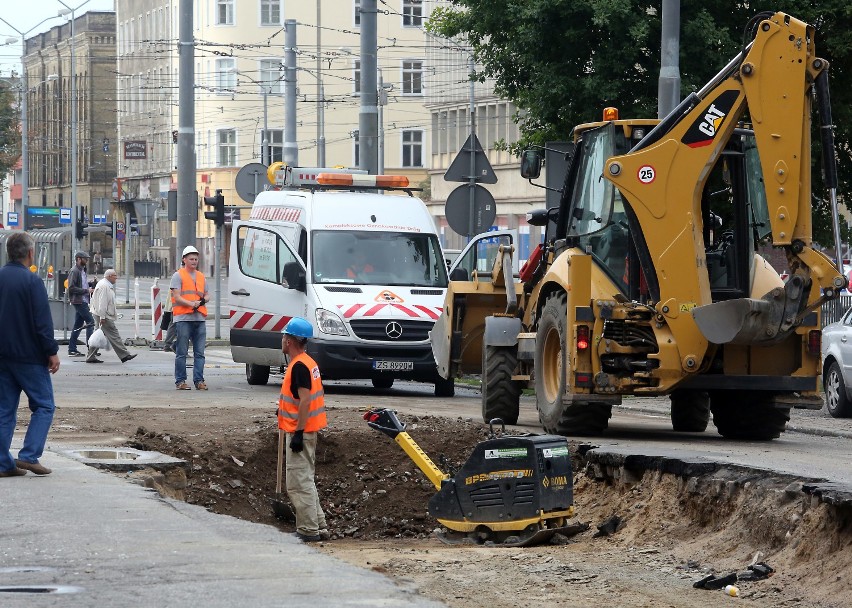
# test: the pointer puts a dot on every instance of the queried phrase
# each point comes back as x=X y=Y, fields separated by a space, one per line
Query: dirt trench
x=674 y=529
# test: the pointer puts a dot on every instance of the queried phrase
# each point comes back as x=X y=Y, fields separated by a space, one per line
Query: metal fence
x=834 y=309
x=146 y=268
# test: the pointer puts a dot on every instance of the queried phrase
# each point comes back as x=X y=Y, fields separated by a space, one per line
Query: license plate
x=394 y=366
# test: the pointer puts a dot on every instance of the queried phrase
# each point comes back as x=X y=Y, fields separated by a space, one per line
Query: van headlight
x=330 y=323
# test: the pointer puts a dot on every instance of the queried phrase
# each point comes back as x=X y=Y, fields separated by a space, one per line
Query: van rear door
x=266 y=288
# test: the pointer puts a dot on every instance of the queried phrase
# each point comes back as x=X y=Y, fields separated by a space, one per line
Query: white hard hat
x=187 y=250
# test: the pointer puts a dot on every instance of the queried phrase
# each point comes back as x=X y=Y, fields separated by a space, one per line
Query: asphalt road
x=816 y=447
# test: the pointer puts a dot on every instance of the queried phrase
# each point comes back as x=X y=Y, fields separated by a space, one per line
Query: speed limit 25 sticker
x=646 y=174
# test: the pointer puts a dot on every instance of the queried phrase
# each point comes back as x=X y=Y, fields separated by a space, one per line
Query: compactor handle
x=385 y=420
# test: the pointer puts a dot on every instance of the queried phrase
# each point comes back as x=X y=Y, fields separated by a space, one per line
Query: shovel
x=281 y=508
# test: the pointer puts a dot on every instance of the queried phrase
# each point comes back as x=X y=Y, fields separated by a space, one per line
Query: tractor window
x=591 y=204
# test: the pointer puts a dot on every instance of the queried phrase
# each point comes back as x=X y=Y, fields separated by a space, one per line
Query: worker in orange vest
x=301 y=414
x=188 y=287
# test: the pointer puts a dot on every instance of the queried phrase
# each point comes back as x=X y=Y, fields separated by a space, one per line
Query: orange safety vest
x=192 y=291
x=288 y=406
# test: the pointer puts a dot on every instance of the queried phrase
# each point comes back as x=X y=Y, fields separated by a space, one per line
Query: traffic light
x=80 y=225
x=218 y=204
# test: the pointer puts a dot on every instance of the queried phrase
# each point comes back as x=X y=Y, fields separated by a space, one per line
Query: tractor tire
x=257 y=374
x=445 y=388
x=382 y=382
x=690 y=411
x=748 y=415
x=579 y=418
x=836 y=401
x=501 y=396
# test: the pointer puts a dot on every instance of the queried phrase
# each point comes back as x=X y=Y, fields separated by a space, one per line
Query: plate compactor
x=512 y=491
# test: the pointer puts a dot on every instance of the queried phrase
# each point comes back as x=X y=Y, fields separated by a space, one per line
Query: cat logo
x=703 y=130
x=712 y=121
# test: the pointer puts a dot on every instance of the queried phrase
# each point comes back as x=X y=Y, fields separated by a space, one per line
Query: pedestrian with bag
x=28 y=355
x=167 y=324
x=79 y=294
x=301 y=415
x=189 y=314
x=103 y=309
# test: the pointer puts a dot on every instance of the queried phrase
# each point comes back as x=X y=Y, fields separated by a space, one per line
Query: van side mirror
x=294 y=276
x=531 y=164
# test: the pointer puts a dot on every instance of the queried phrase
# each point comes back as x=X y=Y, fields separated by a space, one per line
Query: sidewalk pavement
x=98 y=540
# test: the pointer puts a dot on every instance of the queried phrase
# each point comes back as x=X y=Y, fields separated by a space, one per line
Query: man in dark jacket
x=78 y=294
x=27 y=358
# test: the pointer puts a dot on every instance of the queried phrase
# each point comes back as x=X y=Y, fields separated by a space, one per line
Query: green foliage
x=10 y=135
x=562 y=61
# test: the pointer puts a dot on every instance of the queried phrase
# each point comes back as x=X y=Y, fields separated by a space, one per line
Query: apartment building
x=50 y=71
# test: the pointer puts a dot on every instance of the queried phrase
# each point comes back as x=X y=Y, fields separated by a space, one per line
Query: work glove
x=297 y=442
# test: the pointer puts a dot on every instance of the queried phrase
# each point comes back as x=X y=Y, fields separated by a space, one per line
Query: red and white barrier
x=156 y=312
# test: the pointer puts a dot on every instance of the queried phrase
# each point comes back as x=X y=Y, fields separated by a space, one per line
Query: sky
x=25 y=15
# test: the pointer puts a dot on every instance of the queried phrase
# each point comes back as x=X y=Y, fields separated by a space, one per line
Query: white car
x=837 y=366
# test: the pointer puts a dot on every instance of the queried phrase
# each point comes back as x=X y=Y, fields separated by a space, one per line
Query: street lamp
x=25 y=160
x=61 y=13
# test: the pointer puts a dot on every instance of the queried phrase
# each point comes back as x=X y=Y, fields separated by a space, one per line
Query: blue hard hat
x=299 y=328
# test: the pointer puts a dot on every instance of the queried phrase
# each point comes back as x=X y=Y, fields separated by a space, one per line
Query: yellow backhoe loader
x=648 y=281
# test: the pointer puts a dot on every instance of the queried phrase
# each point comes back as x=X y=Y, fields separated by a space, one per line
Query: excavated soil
x=673 y=531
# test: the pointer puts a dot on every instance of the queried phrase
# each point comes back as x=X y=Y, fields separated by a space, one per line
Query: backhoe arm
x=663 y=179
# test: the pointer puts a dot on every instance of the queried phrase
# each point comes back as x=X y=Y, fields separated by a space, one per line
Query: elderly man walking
x=103 y=308
x=27 y=358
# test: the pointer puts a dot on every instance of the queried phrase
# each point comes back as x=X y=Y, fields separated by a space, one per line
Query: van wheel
x=445 y=388
x=257 y=374
x=383 y=382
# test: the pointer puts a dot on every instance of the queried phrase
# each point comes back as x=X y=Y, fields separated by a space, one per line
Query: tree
x=10 y=134
x=562 y=61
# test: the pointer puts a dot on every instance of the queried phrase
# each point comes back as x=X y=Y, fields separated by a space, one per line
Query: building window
x=270 y=76
x=357 y=76
x=226 y=140
x=357 y=16
x=412 y=13
x=412 y=77
x=226 y=74
x=270 y=12
x=412 y=148
x=276 y=145
x=224 y=12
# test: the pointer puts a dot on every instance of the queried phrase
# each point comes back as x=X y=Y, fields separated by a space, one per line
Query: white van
x=299 y=255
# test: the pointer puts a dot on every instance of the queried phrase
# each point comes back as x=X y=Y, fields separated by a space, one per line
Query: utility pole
x=668 y=88
x=368 y=119
x=471 y=66
x=187 y=215
x=382 y=99
x=320 y=94
x=291 y=150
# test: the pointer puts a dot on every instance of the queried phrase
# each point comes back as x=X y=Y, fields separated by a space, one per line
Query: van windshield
x=377 y=258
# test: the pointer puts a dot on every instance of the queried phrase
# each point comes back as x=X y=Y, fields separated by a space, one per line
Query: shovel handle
x=280 y=460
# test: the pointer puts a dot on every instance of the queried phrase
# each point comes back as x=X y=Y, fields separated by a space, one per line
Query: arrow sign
x=459 y=170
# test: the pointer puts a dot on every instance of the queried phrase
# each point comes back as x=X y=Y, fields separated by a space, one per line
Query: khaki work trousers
x=111 y=332
x=301 y=488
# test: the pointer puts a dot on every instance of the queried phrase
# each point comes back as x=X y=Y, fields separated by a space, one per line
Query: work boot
x=16 y=472
x=38 y=469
